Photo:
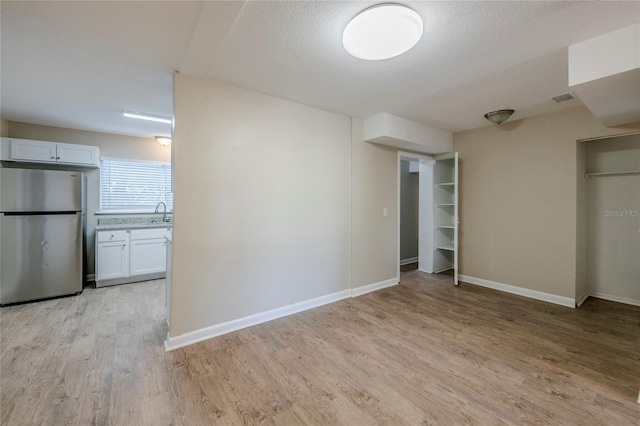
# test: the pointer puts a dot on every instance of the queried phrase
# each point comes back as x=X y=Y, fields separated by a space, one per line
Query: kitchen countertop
x=113 y=223
x=114 y=226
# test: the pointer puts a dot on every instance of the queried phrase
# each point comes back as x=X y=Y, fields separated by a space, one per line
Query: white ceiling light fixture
x=382 y=32
x=163 y=140
x=148 y=117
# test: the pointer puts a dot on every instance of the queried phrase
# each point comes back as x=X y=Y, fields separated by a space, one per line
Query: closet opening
x=608 y=237
x=409 y=213
x=428 y=213
x=415 y=219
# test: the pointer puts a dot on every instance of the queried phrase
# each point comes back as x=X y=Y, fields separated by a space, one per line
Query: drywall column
x=261 y=205
x=374 y=187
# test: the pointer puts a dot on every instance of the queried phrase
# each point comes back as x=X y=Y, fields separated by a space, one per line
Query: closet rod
x=629 y=172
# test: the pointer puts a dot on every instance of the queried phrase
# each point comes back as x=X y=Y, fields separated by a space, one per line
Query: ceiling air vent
x=562 y=98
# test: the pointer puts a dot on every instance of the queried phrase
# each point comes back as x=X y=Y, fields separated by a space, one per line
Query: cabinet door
x=77 y=154
x=148 y=256
x=28 y=150
x=112 y=260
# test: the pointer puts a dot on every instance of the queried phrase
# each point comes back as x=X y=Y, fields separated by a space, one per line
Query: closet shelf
x=446 y=247
x=445 y=226
x=628 y=172
x=445 y=184
x=445 y=205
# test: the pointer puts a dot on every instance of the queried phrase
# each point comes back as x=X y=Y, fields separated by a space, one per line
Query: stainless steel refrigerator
x=41 y=223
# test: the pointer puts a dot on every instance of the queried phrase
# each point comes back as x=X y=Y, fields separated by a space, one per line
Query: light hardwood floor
x=422 y=352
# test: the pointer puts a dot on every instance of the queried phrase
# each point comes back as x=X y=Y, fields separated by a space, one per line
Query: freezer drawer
x=40 y=256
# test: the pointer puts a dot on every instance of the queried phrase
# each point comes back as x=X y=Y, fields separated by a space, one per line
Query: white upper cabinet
x=33 y=151
x=77 y=154
x=28 y=150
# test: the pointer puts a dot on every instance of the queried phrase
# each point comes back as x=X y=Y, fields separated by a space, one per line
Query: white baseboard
x=359 y=291
x=581 y=299
x=533 y=294
x=618 y=299
x=227 y=327
x=196 y=336
x=408 y=261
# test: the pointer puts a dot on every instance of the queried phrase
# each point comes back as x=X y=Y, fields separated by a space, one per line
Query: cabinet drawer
x=105 y=236
x=144 y=234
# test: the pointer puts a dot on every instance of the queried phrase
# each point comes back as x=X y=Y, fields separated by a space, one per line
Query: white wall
x=262 y=206
x=110 y=145
x=374 y=186
x=4 y=128
x=519 y=198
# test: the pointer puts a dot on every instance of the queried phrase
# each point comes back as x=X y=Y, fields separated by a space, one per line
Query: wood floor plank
x=423 y=352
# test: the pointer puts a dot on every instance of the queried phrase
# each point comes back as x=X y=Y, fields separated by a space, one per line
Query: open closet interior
x=409 y=210
x=612 y=226
x=428 y=206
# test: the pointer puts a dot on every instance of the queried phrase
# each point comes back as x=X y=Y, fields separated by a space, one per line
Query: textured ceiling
x=79 y=64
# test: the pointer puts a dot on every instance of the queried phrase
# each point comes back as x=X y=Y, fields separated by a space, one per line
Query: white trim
x=135 y=160
x=582 y=299
x=196 y=336
x=618 y=299
x=227 y=327
x=359 y=291
x=408 y=261
x=533 y=294
x=618 y=135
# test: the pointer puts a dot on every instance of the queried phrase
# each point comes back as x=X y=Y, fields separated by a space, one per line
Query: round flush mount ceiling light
x=382 y=31
x=163 y=140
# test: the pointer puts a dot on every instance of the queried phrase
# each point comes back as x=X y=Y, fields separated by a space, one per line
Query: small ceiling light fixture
x=382 y=32
x=163 y=140
x=499 y=116
x=147 y=117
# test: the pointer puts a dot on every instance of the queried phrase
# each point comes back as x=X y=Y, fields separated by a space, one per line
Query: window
x=129 y=185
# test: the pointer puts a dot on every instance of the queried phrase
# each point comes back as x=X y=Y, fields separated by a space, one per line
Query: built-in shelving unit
x=445 y=182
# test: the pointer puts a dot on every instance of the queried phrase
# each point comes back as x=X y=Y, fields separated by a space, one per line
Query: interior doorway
x=409 y=213
x=415 y=211
x=437 y=212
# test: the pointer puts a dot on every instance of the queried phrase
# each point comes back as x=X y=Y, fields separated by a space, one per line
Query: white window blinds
x=127 y=185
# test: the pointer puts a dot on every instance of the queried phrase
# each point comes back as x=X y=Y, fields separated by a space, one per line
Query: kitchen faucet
x=164 y=211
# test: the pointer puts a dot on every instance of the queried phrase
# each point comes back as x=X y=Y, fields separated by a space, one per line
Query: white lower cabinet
x=124 y=256
x=113 y=259
x=148 y=256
